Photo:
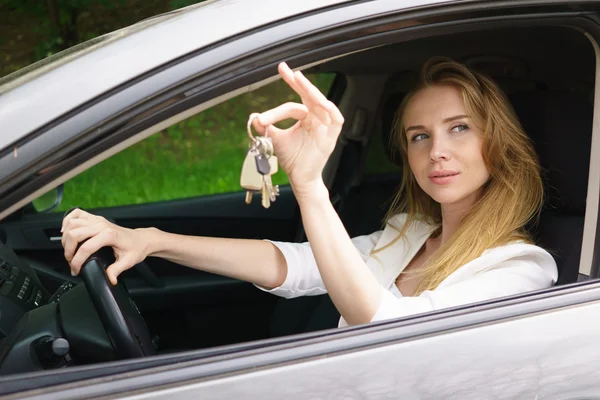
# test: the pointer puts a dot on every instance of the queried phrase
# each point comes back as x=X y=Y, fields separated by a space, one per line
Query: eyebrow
x=446 y=120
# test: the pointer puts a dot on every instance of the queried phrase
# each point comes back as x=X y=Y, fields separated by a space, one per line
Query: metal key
x=264 y=168
x=266 y=165
x=273 y=189
x=250 y=179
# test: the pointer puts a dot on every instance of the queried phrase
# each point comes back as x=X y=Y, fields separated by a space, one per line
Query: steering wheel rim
x=122 y=321
x=126 y=329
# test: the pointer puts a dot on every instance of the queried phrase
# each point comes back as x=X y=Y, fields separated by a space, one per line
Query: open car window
x=199 y=156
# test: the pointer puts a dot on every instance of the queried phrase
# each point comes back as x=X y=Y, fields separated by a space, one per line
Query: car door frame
x=216 y=364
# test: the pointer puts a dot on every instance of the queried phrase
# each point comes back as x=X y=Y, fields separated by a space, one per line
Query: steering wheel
x=126 y=329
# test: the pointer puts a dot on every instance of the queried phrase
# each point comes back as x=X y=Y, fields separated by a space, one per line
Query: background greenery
x=199 y=156
x=31 y=30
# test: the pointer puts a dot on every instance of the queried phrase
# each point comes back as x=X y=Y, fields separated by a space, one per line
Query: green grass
x=198 y=156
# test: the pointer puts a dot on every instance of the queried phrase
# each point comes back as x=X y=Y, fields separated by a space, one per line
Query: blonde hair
x=513 y=194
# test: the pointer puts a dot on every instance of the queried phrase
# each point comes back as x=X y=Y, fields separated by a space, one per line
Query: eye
x=460 y=128
x=418 y=137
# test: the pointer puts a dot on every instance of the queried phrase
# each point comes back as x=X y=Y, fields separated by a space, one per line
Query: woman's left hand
x=303 y=149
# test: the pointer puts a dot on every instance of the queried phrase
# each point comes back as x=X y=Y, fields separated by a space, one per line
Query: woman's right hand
x=303 y=149
x=96 y=232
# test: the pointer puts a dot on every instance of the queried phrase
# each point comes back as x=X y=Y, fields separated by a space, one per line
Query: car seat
x=560 y=124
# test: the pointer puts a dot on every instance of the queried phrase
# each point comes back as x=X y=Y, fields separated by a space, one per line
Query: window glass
x=199 y=156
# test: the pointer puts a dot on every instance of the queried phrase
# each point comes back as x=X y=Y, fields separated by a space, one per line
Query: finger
x=312 y=99
x=92 y=245
x=310 y=90
x=316 y=102
x=76 y=236
x=260 y=128
x=319 y=98
x=75 y=224
x=115 y=269
x=77 y=213
x=323 y=108
x=273 y=131
x=288 y=76
x=70 y=225
x=282 y=112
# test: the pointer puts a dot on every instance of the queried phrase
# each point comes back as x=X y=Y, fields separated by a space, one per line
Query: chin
x=446 y=198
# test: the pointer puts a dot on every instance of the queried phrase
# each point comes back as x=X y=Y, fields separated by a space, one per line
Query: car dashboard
x=20 y=290
x=43 y=330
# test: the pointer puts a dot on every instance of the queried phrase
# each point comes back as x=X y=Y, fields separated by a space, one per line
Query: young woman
x=455 y=233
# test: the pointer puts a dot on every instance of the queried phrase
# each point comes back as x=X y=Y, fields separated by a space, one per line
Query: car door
x=471 y=350
x=182 y=180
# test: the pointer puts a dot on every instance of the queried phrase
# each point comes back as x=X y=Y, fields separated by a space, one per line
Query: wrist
x=310 y=192
x=147 y=240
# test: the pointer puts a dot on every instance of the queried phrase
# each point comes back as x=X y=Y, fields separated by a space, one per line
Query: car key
x=274 y=190
x=250 y=179
x=266 y=164
x=264 y=168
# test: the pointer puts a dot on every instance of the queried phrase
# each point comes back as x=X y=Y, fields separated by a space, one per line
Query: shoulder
x=519 y=250
x=523 y=254
x=515 y=262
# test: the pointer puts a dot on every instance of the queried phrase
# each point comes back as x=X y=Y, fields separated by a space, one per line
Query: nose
x=440 y=150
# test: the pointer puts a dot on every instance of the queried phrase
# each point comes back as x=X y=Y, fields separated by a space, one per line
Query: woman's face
x=444 y=147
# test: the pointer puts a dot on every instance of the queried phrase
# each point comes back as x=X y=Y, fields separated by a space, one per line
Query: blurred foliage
x=35 y=29
x=175 y=4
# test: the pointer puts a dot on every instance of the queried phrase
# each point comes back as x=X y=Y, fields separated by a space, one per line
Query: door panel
x=547 y=355
x=186 y=307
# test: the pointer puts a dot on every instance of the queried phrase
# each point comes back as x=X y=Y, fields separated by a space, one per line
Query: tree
x=65 y=23
x=64 y=17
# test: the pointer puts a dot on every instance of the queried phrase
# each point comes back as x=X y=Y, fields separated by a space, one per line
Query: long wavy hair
x=513 y=194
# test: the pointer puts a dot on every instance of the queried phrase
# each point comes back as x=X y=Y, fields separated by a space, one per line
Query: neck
x=452 y=215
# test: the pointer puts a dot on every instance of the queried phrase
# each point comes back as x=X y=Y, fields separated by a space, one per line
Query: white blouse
x=501 y=271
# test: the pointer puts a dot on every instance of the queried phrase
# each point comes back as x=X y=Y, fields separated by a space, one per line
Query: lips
x=442 y=173
x=443 y=176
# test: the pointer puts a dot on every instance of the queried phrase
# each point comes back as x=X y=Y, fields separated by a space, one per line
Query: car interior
x=547 y=72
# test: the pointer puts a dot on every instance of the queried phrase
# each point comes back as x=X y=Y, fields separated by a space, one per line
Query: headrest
x=560 y=125
x=388 y=116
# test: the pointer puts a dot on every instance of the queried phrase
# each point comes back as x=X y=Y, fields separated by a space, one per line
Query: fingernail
x=72 y=273
x=62 y=228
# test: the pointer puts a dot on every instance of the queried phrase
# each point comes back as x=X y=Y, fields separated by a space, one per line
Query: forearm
x=254 y=261
x=352 y=287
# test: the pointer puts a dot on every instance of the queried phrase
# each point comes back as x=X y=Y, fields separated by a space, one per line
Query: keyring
x=266 y=144
x=249 y=127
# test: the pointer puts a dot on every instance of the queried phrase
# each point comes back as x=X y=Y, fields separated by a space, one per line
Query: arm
x=303 y=277
x=284 y=269
x=255 y=261
x=352 y=287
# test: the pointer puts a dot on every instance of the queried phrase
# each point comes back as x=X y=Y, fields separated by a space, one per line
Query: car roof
x=50 y=88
